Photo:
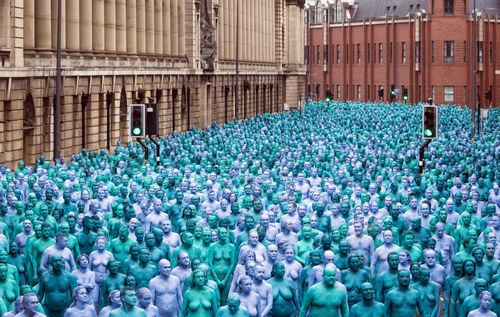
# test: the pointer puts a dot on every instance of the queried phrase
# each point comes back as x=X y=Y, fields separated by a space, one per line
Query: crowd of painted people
x=321 y=212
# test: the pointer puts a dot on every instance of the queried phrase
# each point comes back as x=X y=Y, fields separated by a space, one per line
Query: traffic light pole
x=421 y=162
x=157 y=150
x=146 y=151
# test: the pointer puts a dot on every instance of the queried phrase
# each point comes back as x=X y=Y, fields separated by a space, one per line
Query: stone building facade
x=180 y=54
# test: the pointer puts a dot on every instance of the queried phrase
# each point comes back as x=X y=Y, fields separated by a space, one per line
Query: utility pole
x=236 y=95
x=57 y=109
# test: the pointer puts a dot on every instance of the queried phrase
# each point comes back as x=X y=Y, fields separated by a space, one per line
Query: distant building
x=366 y=49
x=180 y=53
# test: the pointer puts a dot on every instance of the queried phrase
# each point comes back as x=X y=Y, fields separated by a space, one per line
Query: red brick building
x=366 y=49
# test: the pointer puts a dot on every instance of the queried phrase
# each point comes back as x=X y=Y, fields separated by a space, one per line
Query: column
x=53 y=9
x=73 y=25
x=98 y=25
x=262 y=31
x=174 y=28
x=244 y=28
x=241 y=30
x=251 y=30
x=29 y=24
x=42 y=24
x=269 y=32
x=150 y=26
x=131 y=27
x=166 y=27
x=141 y=26
x=182 y=27
x=110 y=26
x=121 y=26
x=85 y=26
x=225 y=21
x=230 y=30
x=158 y=26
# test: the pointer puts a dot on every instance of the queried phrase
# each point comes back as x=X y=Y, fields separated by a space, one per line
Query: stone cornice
x=299 y=3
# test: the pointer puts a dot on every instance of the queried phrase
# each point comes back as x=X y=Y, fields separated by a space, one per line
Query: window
x=390 y=53
x=338 y=54
x=449 y=6
x=433 y=51
x=490 y=54
x=403 y=52
x=338 y=91
x=359 y=92
x=480 y=52
x=318 y=54
x=417 y=52
x=338 y=11
x=325 y=54
x=448 y=94
x=347 y=92
x=347 y=54
x=368 y=88
x=449 y=54
x=358 y=53
x=318 y=14
x=465 y=51
x=380 y=52
x=368 y=54
x=306 y=54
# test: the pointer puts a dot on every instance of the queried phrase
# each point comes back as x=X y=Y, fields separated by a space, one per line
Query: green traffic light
x=136 y=131
x=405 y=97
x=428 y=132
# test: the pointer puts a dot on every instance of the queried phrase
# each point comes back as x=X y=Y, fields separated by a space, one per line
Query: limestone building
x=180 y=53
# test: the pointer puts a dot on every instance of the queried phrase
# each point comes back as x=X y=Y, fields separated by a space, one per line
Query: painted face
x=246 y=285
x=145 y=299
x=404 y=278
x=165 y=268
x=329 y=276
x=82 y=295
x=130 y=298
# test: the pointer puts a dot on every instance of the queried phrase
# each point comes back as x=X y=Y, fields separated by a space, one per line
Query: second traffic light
x=430 y=122
x=137 y=121
x=405 y=93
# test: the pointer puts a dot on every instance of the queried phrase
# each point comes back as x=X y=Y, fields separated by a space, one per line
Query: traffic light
x=405 y=93
x=381 y=93
x=394 y=93
x=429 y=122
x=487 y=94
x=329 y=95
x=137 y=121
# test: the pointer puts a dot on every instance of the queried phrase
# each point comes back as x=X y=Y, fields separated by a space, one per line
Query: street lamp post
x=236 y=95
x=475 y=104
x=308 y=6
x=57 y=108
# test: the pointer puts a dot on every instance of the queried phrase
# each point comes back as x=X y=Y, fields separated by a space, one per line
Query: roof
x=380 y=9
x=488 y=6
x=377 y=9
